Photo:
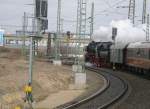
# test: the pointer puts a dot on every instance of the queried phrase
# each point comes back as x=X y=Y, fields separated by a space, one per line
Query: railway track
x=138 y=93
x=116 y=88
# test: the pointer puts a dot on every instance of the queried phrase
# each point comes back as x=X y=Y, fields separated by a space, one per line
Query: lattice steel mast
x=144 y=11
x=131 y=13
x=81 y=18
x=147 y=29
x=78 y=17
x=24 y=30
x=92 y=21
x=81 y=27
x=57 y=41
x=82 y=30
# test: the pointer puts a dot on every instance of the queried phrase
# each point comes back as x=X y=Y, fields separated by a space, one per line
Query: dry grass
x=47 y=79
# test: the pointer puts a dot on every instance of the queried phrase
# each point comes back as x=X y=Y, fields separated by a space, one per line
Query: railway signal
x=68 y=35
x=114 y=33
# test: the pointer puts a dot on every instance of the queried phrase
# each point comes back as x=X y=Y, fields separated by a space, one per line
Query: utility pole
x=92 y=21
x=31 y=59
x=57 y=60
x=49 y=45
x=35 y=21
x=131 y=12
x=78 y=17
x=24 y=30
x=144 y=11
x=34 y=18
x=147 y=29
x=57 y=56
x=81 y=18
x=81 y=25
x=77 y=29
x=31 y=42
x=33 y=26
x=62 y=26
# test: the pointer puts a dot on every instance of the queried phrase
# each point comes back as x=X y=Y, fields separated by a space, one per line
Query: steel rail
x=102 y=99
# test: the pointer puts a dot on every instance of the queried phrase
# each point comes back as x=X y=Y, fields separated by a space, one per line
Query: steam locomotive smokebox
x=57 y=62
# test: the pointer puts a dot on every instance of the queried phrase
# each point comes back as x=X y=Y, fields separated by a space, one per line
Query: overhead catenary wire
x=108 y=11
x=103 y=11
x=112 y=6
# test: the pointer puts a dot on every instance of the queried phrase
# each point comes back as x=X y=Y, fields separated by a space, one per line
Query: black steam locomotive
x=134 y=56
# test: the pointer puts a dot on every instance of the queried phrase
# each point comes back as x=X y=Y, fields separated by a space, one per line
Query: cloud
x=102 y=34
x=126 y=32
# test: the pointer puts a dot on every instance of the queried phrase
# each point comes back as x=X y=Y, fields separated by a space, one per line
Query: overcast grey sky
x=11 y=12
